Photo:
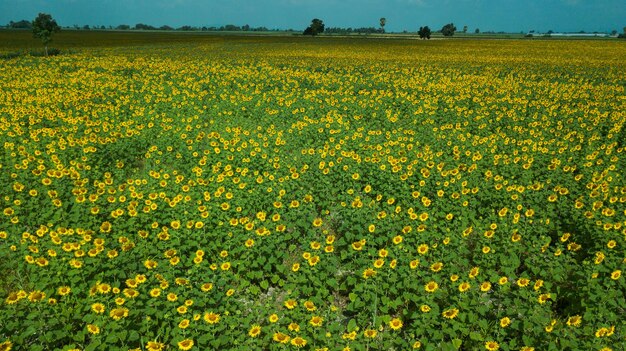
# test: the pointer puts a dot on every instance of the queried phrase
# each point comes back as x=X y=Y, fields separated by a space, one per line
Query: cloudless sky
x=488 y=15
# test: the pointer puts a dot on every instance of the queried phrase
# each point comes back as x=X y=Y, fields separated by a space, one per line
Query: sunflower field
x=278 y=193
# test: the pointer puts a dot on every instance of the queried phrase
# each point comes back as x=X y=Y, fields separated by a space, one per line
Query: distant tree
x=448 y=30
x=43 y=28
x=123 y=27
x=464 y=29
x=383 y=21
x=166 y=27
x=141 y=26
x=424 y=32
x=316 y=27
x=231 y=28
x=624 y=29
x=246 y=27
x=23 y=24
x=614 y=32
x=86 y=27
x=477 y=31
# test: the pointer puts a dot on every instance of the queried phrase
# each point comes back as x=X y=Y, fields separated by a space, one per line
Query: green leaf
x=93 y=346
x=111 y=338
x=476 y=336
x=483 y=324
x=134 y=336
x=457 y=343
x=264 y=284
x=352 y=325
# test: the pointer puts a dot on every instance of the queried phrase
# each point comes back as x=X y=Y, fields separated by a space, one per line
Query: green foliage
x=244 y=195
x=43 y=28
x=448 y=30
x=316 y=27
x=424 y=32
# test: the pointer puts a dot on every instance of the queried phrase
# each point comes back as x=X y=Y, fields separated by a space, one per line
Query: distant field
x=75 y=39
x=194 y=191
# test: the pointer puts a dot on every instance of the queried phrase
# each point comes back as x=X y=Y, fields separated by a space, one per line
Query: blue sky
x=496 y=15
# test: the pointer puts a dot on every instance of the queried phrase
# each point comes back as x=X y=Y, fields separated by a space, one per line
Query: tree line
x=25 y=24
x=316 y=27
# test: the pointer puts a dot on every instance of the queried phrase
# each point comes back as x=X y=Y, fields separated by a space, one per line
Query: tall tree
x=383 y=21
x=448 y=30
x=43 y=28
x=424 y=32
x=464 y=29
x=316 y=27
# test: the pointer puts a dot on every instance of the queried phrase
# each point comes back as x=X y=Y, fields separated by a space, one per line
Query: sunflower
x=119 y=313
x=616 y=274
x=379 y=263
x=422 y=249
x=298 y=342
x=254 y=331
x=12 y=298
x=316 y=321
x=431 y=286
x=310 y=306
x=395 y=324
x=450 y=313
x=574 y=321
x=211 y=317
x=93 y=329
x=184 y=324
x=98 y=308
x=492 y=345
x=186 y=344
x=436 y=267
x=6 y=346
x=463 y=287
x=291 y=304
x=155 y=346
x=370 y=333
x=35 y=296
x=474 y=272
x=281 y=338
x=543 y=298
x=313 y=260
x=358 y=245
